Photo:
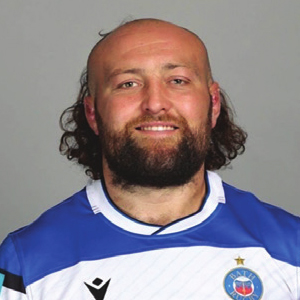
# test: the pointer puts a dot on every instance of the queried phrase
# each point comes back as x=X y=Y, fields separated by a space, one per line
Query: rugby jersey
x=235 y=247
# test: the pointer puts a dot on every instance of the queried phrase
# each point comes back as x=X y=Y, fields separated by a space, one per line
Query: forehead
x=150 y=40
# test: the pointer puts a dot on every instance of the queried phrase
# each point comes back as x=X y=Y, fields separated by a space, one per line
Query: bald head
x=156 y=34
x=149 y=69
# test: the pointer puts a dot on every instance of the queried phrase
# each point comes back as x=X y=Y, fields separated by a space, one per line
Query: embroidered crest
x=242 y=283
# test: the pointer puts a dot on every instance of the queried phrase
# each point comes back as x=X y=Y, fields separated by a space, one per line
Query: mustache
x=163 y=118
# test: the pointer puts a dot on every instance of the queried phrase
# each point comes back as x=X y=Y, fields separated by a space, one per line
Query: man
x=149 y=125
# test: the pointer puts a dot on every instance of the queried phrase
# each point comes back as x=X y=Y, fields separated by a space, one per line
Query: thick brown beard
x=160 y=164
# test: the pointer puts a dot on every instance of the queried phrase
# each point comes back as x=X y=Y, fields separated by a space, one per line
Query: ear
x=214 y=91
x=90 y=113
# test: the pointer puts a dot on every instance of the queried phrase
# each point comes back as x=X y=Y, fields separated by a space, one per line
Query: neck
x=158 y=206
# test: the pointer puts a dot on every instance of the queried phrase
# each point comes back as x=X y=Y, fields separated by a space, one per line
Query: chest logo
x=98 y=289
x=242 y=283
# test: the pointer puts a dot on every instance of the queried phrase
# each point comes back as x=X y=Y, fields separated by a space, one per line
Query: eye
x=127 y=84
x=179 y=81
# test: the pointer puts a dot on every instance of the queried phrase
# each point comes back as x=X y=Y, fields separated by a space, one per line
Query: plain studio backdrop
x=254 y=49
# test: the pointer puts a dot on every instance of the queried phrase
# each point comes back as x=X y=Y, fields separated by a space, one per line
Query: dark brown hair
x=81 y=144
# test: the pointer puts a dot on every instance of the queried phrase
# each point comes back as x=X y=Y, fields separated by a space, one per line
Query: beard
x=156 y=163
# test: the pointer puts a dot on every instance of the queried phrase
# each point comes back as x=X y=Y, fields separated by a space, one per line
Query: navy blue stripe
x=12 y=281
x=121 y=212
x=201 y=207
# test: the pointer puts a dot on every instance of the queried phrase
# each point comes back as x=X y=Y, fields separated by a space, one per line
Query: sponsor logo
x=2 y=276
x=98 y=288
x=242 y=283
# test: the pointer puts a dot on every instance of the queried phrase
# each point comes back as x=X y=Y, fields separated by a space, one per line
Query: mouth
x=157 y=128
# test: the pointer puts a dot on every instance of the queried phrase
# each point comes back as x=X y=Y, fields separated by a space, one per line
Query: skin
x=153 y=68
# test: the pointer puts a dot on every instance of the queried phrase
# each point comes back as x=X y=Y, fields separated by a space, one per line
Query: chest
x=198 y=272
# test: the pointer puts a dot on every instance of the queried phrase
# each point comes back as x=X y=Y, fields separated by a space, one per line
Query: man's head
x=151 y=103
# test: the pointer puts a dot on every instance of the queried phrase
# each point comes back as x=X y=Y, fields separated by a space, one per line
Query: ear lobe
x=214 y=91
x=90 y=113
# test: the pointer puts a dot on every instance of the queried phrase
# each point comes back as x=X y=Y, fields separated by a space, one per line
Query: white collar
x=100 y=203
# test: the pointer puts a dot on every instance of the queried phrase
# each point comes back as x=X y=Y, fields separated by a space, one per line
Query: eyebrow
x=167 y=66
x=170 y=66
x=125 y=71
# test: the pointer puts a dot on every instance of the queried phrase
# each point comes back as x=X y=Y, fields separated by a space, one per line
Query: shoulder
x=24 y=250
x=59 y=215
x=243 y=201
x=53 y=225
x=274 y=228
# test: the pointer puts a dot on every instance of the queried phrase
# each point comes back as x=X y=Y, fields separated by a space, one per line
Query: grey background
x=254 y=51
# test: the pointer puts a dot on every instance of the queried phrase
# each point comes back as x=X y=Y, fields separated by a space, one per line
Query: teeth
x=157 y=128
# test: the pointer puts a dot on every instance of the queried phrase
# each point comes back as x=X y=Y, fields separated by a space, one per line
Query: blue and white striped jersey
x=235 y=247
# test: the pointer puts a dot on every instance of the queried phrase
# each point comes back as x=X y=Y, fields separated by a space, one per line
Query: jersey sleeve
x=11 y=279
x=298 y=265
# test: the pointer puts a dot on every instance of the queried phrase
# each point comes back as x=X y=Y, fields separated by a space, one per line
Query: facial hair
x=161 y=163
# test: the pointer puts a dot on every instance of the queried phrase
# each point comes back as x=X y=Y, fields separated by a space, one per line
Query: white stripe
x=215 y=197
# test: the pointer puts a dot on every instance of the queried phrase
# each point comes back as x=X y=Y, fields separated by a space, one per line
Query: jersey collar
x=100 y=203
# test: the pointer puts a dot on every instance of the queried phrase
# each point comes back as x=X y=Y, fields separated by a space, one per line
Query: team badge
x=242 y=283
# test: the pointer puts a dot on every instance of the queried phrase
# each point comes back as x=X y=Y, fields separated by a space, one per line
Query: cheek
x=117 y=112
x=195 y=111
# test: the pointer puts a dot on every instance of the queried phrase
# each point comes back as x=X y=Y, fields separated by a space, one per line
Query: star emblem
x=239 y=260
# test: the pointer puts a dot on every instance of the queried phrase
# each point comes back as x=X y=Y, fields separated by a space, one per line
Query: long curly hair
x=79 y=142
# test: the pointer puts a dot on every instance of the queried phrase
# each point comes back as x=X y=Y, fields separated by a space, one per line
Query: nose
x=155 y=99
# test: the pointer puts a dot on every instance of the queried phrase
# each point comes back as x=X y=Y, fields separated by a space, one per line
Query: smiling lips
x=157 y=128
